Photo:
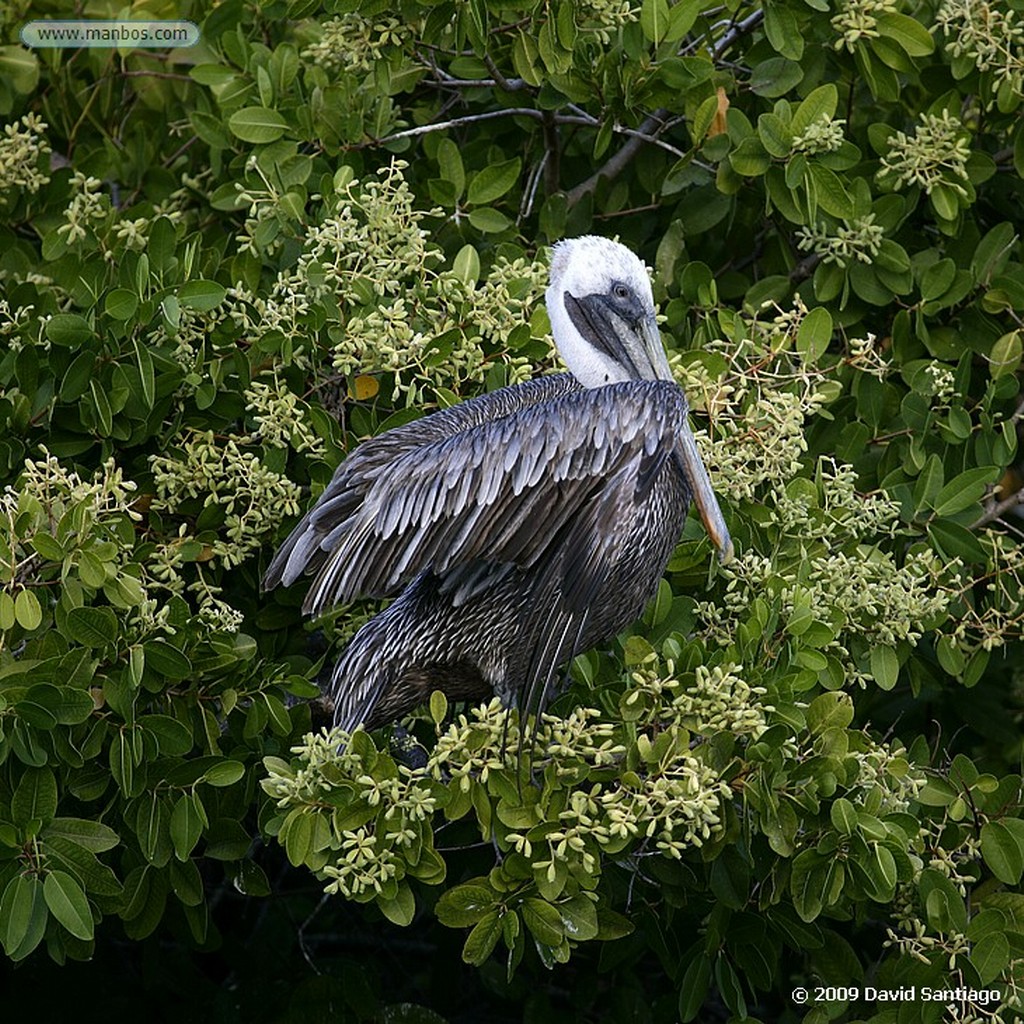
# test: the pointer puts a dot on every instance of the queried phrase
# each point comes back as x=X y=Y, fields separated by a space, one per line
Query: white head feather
x=585 y=266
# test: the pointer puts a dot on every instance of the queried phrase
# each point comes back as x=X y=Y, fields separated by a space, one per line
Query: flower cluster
x=48 y=490
x=825 y=135
x=988 y=34
x=23 y=146
x=859 y=240
x=255 y=500
x=993 y=615
x=718 y=699
x=279 y=418
x=858 y=20
x=603 y=18
x=758 y=407
x=832 y=509
x=87 y=206
x=486 y=741
x=935 y=153
x=355 y=42
x=375 y=813
x=507 y=297
x=886 y=776
x=373 y=242
x=360 y=850
x=391 y=307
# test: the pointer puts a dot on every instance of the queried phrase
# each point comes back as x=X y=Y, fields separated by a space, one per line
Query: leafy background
x=223 y=266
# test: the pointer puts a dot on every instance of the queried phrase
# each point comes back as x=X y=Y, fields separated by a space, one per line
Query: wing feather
x=545 y=479
x=310 y=544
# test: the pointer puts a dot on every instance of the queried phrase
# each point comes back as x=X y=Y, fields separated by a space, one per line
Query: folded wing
x=511 y=479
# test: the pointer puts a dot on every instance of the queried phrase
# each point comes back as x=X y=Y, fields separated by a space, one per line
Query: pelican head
x=602 y=313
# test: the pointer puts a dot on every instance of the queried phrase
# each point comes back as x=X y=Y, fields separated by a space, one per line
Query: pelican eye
x=620 y=291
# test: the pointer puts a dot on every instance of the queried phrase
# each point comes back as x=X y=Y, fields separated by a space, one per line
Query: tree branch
x=997 y=509
x=654 y=124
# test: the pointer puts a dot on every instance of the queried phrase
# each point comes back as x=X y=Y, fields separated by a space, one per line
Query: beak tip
x=726 y=551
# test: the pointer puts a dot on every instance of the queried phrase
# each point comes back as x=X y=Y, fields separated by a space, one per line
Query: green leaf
x=466 y=265
x=69 y=705
x=167 y=660
x=449 y=160
x=173 y=738
x=23 y=916
x=465 y=905
x=122 y=766
x=833 y=710
x=68 y=329
x=944 y=201
x=187 y=822
x=1003 y=852
x=807 y=884
x=990 y=956
x=964 y=490
x=885 y=667
x=297 y=835
x=494 y=181
x=956 y=541
x=775 y=134
x=121 y=304
x=68 y=904
x=750 y=159
x=907 y=32
x=186 y=882
x=225 y=773
x=1005 y=356
x=681 y=17
x=482 y=939
x=612 y=925
x=814 y=334
x=257 y=124
x=543 y=921
x=579 y=918
x=402 y=908
x=831 y=193
x=27 y=611
x=147 y=374
x=35 y=797
x=201 y=295
x=76 y=379
x=92 y=627
x=844 y=816
x=819 y=105
x=693 y=990
x=91 y=835
x=775 y=77
x=438 y=707
x=489 y=221
x=80 y=862
x=654 y=19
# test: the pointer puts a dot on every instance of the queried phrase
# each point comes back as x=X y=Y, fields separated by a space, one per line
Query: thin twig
x=996 y=510
x=458 y=122
x=508 y=84
x=155 y=74
x=655 y=124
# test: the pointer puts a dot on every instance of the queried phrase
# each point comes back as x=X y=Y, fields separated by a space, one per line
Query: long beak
x=650 y=337
x=703 y=495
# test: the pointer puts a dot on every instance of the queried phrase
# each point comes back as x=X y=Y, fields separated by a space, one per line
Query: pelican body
x=519 y=528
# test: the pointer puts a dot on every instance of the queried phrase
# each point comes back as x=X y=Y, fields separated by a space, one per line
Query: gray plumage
x=518 y=528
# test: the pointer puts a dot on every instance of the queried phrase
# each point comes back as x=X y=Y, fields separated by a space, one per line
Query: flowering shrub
x=800 y=769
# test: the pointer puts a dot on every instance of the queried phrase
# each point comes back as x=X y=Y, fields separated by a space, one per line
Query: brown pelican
x=520 y=527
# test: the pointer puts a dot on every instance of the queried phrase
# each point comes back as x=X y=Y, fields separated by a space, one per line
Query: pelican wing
x=304 y=552
x=548 y=479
